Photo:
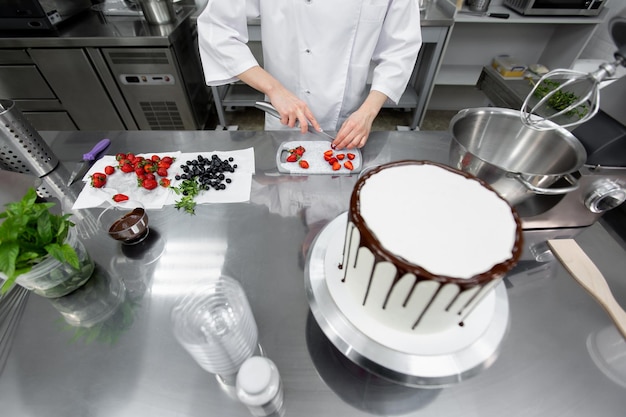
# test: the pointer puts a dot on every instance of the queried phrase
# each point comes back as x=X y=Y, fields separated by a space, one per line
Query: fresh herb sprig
x=30 y=233
x=560 y=100
x=189 y=189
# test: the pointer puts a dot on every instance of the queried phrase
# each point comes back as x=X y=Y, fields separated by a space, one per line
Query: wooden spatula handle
x=578 y=264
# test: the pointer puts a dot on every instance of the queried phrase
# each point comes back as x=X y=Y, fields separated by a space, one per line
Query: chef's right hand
x=293 y=110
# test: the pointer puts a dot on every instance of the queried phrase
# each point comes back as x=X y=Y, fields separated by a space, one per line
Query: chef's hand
x=356 y=129
x=292 y=110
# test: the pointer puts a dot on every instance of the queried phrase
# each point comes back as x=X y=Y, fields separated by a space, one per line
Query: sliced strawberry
x=120 y=197
x=329 y=152
x=351 y=156
x=340 y=156
x=332 y=161
x=336 y=166
x=327 y=157
x=348 y=165
x=304 y=164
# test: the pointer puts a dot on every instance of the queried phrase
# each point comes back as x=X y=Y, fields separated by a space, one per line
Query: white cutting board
x=314 y=155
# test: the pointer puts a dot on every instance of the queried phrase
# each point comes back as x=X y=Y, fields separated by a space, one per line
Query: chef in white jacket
x=317 y=56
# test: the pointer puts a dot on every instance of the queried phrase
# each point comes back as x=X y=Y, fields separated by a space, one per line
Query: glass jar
x=51 y=278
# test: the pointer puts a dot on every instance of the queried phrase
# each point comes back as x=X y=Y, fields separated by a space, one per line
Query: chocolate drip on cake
x=470 y=290
x=371 y=242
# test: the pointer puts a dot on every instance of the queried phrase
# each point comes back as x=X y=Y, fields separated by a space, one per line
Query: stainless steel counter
x=131 y=365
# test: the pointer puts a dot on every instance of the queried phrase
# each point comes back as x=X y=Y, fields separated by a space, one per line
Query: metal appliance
x=556 y=7
x=38 y=15
x=603 y=177
x=602 y=180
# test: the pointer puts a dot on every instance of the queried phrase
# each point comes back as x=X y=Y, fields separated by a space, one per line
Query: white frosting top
x=447 y=224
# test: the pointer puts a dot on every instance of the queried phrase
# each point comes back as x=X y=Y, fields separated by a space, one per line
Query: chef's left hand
x=357 y=127
x=354 y=131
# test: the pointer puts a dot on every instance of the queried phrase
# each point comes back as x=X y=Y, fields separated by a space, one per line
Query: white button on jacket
x=320 y=50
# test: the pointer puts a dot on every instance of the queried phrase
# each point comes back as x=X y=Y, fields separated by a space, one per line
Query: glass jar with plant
x=40 y=250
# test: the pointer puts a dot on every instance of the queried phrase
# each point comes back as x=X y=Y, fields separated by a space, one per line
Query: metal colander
x=21 y=147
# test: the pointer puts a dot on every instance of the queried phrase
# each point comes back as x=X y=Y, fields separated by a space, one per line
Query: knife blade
x=485 y=14
x=88 y=159
x=271 y=110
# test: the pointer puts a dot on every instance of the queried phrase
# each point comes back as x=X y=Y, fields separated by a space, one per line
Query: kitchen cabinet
x=103 y=72
x=436 y=21
x=554 y=41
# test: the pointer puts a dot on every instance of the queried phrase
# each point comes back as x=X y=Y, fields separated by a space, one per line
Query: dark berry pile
x=208 y=172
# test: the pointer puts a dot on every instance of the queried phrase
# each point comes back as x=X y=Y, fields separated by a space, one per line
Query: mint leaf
x=70 y=256
x=8 y=256
x=44 y=227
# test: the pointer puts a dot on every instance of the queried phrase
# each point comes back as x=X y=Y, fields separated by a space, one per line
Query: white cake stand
x=426 y=361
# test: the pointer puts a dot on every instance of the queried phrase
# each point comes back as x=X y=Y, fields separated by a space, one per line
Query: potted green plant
x=39 y=250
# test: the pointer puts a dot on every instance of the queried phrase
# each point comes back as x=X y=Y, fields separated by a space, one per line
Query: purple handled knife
x=88 y=159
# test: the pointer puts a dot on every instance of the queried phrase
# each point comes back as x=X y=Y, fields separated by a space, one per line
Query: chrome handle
x=547 y=191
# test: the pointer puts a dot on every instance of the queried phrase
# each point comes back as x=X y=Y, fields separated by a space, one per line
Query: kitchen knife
x=485 y=14
x=271 y=110
x=88 y=159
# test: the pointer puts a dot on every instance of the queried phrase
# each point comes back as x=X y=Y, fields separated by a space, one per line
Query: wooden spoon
x=578 y=264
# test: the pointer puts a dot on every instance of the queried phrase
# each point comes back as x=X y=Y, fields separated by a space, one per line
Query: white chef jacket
x=321 y=50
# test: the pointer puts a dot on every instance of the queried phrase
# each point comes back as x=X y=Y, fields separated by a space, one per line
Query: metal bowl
x=516 y=160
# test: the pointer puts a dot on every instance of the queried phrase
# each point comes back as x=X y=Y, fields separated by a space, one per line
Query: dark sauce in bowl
x=132 y=227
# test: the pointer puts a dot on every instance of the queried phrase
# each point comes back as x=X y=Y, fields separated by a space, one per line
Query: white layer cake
x=425 y=243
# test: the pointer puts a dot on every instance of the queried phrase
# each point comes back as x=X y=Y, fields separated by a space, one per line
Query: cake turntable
x=427 y=361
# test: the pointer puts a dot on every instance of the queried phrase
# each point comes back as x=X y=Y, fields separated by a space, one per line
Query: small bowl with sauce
x=126 y=222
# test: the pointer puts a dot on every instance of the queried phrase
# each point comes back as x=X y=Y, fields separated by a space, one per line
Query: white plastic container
x=259 y=387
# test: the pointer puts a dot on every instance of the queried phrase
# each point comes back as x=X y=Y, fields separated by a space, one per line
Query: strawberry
x=149 y=167
x=336 y=166
x=340 y=156
x=292 y=158
x=167 y=160
x=299 y=150
x=351 y=156
x=149 y=184
x=127 y=167
x=109 y=170
x=332 y=161
x=304 y=164
x=162 y=172
x=155 y=158
x=164 y=182
x=329 y=153
x=98 y=180
x=348 y=165
x=120 y=156
x=120 y=197
x=139 y=171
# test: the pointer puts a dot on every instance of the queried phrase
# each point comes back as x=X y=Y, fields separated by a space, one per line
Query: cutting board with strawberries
x=316 y=157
